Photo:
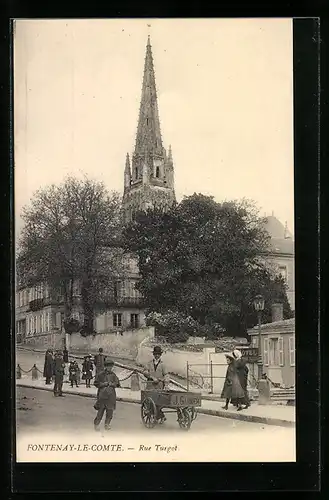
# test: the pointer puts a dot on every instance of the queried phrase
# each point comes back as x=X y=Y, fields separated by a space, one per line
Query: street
x=39 y=410
x=42 y=418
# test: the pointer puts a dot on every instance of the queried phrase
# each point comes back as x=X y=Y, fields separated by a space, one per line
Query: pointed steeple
x=169 y=153
x=127 y=173
x=148 y=138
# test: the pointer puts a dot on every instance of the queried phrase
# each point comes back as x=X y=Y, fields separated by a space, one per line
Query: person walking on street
x=242 y=371
x=232 y=390
x=87 y=370
x=48 y=366
x=73 y=371
x=65 y=355
x=58 y=373
x=106 y=382
x=99 y=361
x=157 y=376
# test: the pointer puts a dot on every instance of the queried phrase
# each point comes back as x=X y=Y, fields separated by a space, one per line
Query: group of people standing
x=55 y=369
x=236 y=381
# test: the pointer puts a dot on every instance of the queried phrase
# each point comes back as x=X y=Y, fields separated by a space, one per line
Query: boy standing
x=106 y=382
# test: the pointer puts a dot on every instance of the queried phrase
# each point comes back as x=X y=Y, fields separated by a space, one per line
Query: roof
x=282 y=240
x=283 y=326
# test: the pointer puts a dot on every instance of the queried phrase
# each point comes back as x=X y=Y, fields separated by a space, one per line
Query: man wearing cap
x=106 y=381
x=157 y=375
x=58 y=372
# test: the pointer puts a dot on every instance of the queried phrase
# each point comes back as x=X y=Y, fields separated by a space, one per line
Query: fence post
x=187 y=381
x=135 y=382
x=34 y=372
x=211 y=379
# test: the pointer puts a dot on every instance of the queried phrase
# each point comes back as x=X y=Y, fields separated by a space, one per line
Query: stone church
x=148 y=182
x=149 y=176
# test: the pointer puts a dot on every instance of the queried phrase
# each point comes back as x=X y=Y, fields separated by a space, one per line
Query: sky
x=225 y=95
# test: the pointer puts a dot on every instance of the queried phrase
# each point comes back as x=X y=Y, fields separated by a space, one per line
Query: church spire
x=127 y=173
x=148 y=138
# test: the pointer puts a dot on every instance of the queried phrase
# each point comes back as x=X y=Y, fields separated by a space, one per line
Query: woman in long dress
x=232 y=390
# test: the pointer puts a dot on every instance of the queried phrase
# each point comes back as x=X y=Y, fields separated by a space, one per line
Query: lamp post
x=259 y=304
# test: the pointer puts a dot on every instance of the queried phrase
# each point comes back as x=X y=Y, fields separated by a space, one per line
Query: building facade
x=277 y=350
x=282 y=254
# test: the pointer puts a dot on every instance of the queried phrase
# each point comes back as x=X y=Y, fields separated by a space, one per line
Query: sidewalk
x=283 y=416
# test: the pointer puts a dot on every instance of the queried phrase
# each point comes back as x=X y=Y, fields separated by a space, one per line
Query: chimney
x=277 y=312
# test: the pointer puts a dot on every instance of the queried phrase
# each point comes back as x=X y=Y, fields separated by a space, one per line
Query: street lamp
x=259 y=304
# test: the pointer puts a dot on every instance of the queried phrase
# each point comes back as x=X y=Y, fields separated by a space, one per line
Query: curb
x=204 y=411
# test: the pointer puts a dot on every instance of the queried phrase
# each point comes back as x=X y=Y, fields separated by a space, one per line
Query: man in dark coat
x=99 y=361
x=58 y=372
x=65 y=355
x=242 y=371
x=106 y=381
x=48 y=366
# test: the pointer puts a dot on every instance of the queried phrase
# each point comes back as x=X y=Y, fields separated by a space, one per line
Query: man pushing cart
x=157 y=377
x=157 y=396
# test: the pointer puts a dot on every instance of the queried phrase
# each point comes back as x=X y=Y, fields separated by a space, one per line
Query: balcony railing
x=123 y=302
x=37 y=304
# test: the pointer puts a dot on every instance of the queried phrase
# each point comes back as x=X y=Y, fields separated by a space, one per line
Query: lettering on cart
x=183 y=400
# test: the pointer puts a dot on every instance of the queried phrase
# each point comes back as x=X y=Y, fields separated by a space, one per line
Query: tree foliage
x=205 y=260
x=70 y=235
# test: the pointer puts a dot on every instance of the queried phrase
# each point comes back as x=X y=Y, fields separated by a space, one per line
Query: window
x=292 y=350
x=157 y=172
x=281 y=353
x=273 y=352
x=117 y=319
x=134 y=320
x=283 y=272
x=266 y=352
x=136 y=173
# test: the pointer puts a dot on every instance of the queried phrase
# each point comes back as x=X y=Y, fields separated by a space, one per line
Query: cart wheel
x=193 y=413
x=184 y=418
x=148 y=413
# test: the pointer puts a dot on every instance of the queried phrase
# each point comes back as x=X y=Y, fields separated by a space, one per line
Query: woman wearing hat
x=242 y=371
x=106 y=382
x=157 y=375
x=232 y=390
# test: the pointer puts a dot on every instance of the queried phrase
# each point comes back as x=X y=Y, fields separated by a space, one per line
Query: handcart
x=180 y=402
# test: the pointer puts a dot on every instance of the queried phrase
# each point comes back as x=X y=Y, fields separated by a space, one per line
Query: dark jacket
x=58 y=367
x=232 y=388
x=242 y=371
x=66 y=356
x=73 y=371
x=99 y=362
x=87 y=370
x=48 y=366
x=106 y=382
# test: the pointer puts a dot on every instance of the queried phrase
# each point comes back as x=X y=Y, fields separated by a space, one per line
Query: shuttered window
x=281 y=353
x=266 y=357
x=292 y=350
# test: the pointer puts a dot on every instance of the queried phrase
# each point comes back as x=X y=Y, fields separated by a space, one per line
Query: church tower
x=149 y=177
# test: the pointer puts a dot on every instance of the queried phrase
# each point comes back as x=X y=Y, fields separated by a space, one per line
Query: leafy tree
x=70 y=236
x=206 y=260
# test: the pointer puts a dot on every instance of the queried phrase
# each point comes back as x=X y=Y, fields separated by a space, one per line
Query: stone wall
x=123 y=345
